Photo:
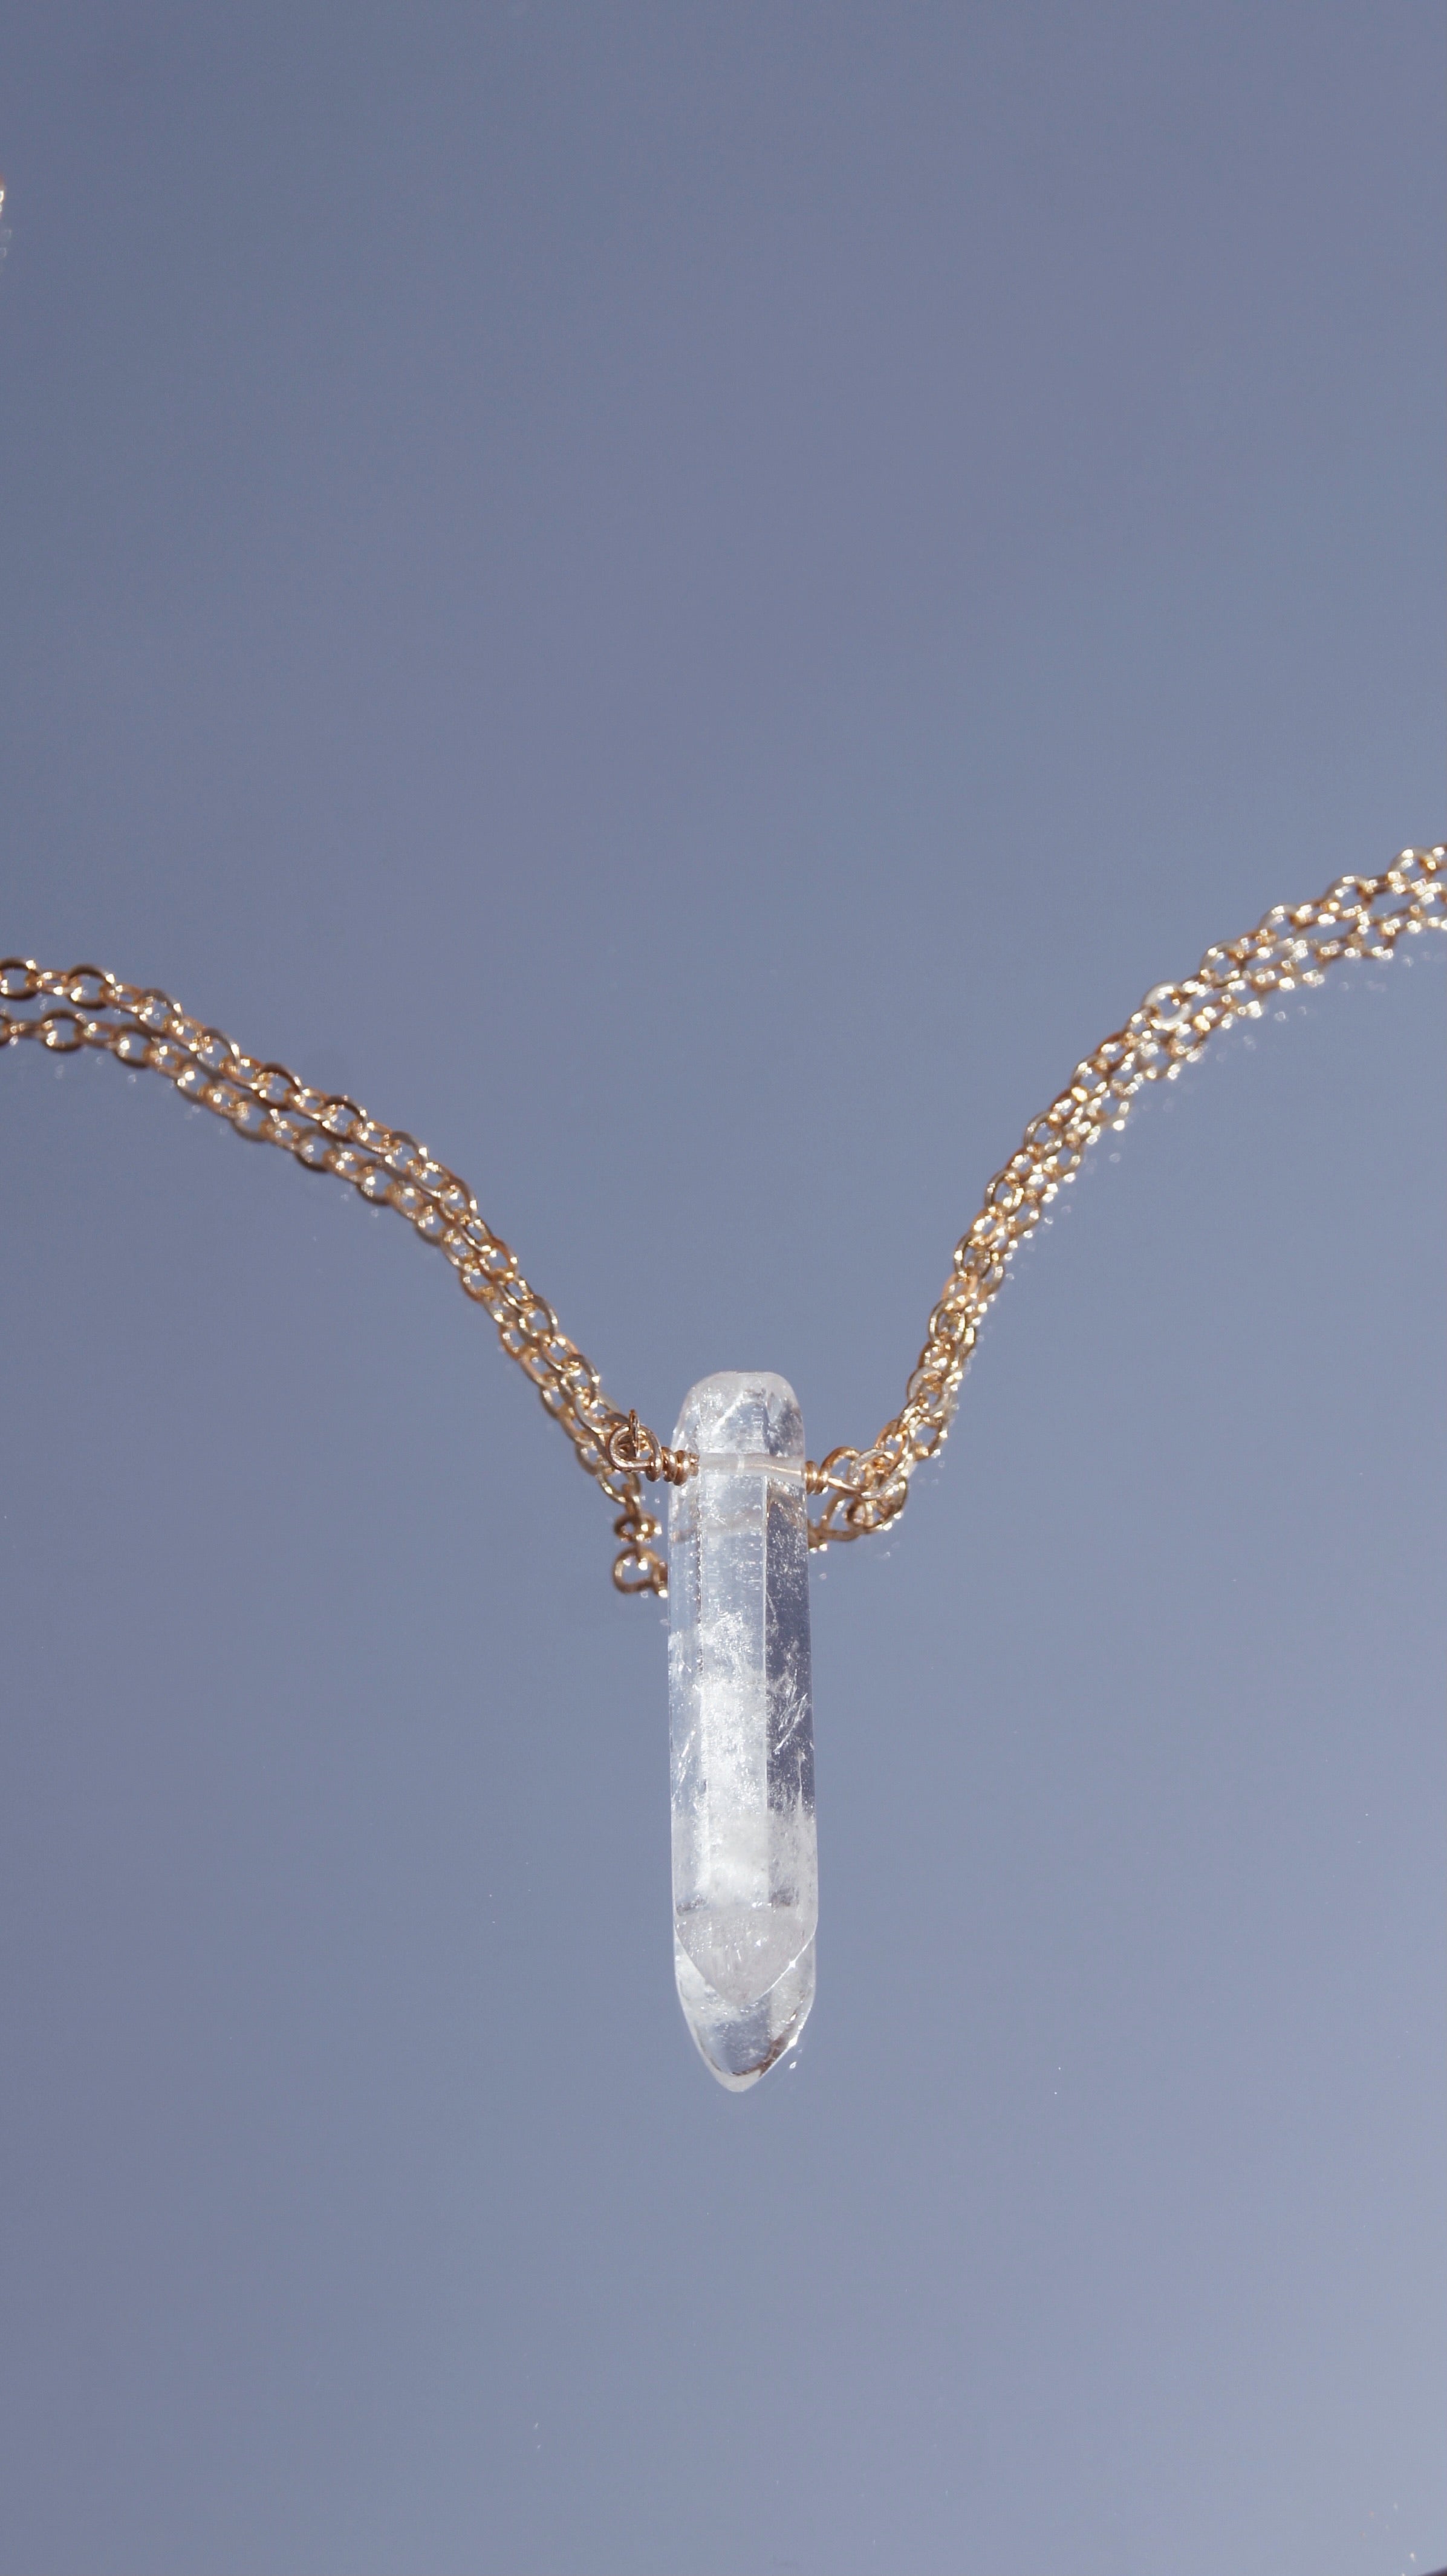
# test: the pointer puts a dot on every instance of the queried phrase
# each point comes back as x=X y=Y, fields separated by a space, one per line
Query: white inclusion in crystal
x=745 y=1863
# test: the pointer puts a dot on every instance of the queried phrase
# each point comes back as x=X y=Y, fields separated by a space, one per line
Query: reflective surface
x=741 y=1713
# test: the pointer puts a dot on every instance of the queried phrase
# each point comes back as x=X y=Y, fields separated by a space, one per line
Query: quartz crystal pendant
x=745 y=1867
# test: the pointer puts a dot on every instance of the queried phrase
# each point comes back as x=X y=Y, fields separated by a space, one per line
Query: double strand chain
x=858 y=1490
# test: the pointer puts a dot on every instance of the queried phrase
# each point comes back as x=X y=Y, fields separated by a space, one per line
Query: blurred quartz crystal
x=745 y=1868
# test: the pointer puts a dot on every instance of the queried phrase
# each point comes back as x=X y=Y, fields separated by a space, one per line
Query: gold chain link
x=862 y=1490
x=83 y=1006
x=1358 y=917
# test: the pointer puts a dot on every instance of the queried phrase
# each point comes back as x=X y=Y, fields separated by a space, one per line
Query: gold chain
x=1292 y=944
x=862 y=1490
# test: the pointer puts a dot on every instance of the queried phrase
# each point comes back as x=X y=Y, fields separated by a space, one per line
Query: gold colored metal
x=83 y=1006
x=863 y=1490
x=1358 y=917
x=634 y=1445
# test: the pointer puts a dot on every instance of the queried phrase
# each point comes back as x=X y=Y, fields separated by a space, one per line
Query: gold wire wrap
x=861 y=1490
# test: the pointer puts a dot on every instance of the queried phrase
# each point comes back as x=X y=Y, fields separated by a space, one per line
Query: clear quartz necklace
x=745 y=1868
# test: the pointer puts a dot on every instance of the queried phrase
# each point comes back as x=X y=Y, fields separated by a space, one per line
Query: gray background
x=693 y=601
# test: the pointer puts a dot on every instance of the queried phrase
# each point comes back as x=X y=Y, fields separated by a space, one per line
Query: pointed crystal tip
x=739 y=2042
x=741 y=1723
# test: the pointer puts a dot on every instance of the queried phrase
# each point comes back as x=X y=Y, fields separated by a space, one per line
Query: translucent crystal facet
x=745 y=1865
